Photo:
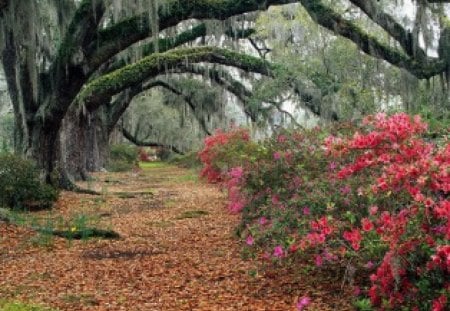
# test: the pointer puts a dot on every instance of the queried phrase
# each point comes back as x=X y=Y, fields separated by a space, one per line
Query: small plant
x=363 y=304
x=20 y=185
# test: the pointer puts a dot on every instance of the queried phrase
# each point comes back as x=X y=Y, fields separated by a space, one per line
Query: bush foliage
x=122 y=157
x=20 y=185
x=373 y=198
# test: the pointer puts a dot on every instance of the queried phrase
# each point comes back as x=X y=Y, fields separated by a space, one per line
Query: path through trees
x=177 y=252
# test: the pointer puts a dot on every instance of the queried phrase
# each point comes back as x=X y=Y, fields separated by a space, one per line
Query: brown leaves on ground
x=177 y=252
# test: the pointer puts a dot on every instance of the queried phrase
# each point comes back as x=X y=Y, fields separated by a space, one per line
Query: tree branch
x=326 y=17
x=68 y=72
x=120 y=36
x=119 y=106
x=99 y=91
x=390 y=25
x=225 y=80
x=140 y=143
x=185 y=97
x=169 y=43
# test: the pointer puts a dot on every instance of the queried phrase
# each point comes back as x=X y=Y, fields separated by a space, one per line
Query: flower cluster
x=378 y=194
x=402 y=163
x=218 y=152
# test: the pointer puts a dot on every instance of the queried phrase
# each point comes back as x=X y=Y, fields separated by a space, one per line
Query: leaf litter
x=177 y=251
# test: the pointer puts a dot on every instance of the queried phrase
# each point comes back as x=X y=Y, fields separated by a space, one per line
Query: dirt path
x=177 y=252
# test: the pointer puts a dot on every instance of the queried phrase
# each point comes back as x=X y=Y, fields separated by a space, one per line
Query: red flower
x=354 y=237
x=367 y=225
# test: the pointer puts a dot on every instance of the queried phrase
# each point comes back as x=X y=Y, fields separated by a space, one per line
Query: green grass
x=19 y=306
x=192 y=176
x=192 y=214
x=151 y=165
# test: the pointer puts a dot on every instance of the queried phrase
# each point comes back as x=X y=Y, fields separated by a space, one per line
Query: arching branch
x=140 y=143
x=185 y=97
x=325 y=16
x=118 y=107
x=123 y=34
x=224 y=80
x=372 y=9
x=168 y=43
x=99 y=91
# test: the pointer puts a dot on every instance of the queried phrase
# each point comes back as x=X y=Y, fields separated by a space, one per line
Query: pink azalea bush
x=222 y=152
x=377 y=196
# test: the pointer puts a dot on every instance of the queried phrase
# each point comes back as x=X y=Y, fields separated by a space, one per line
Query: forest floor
x=177 y=251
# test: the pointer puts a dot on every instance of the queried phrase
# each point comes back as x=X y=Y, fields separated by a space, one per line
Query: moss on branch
x=118 y=37
x=101 y=89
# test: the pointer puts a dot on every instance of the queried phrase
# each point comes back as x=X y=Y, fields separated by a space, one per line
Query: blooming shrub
x=377 y=196
x=143 y=155
x=417 y=232
x=222 y=151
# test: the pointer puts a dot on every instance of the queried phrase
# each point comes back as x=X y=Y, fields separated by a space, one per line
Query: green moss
x=68 y=46
x=99 y=89
x=132 y=25
x=19 y=306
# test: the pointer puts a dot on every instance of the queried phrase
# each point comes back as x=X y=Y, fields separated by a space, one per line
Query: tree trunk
x=84 y=143
x=97 y=142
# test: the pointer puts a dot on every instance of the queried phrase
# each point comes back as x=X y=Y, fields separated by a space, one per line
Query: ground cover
x=177 y=251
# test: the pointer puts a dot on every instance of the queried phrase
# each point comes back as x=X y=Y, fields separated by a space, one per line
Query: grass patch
x=19 y=306
x=152 y=165
x=192 y=214
x=170 y=203
x=192 y=176
x=79 y=227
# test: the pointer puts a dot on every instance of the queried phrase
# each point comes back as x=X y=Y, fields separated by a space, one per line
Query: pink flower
x=236 y=172
x=250 y=240
x=306 y=211
x=346 y=189
x=373 y=210
x=369 y=264
x=275 y=199
x=303 y=303
x=356 y=291
x=281 y=138
x=332 y=166
x=262 y=221
x=277 y=155
x=278 y=251
x=235 y=207
x=318 y=260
